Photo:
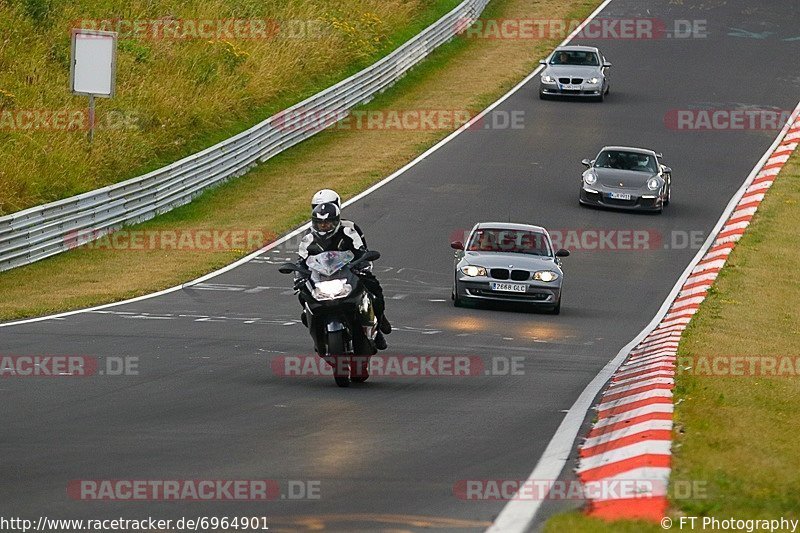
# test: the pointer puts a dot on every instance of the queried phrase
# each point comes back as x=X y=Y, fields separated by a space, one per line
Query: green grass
x=173 y=97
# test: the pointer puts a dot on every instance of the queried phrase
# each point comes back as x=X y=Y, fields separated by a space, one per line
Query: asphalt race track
x=206 y=403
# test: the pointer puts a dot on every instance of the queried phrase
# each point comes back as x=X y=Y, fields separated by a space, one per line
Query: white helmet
x=325 y=196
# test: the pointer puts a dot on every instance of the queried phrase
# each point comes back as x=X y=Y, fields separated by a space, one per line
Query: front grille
x=577 y=81
x=499 y=273
x=520 y=296
x=520 y=275
x=563 y=80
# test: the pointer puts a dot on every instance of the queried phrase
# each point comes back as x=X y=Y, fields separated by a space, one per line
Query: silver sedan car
x=579 y=71
x=506 y=262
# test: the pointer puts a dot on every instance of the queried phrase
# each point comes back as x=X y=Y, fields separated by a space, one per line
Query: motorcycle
x=338 y=311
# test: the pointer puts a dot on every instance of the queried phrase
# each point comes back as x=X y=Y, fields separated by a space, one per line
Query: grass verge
x=178 y=90
x=734 y=436
x=465 y=74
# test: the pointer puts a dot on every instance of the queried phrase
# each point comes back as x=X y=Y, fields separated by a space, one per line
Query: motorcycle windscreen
x=328 y=263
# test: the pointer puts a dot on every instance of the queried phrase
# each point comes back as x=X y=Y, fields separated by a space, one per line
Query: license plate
x=508 y=287
x=619 y=196
x=571 y=87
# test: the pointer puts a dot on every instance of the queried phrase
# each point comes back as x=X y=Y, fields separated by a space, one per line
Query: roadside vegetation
x=186 y=78
x=466 y=74
x=735 y=437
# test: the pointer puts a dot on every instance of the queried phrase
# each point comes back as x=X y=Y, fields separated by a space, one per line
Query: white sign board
x=94 y=62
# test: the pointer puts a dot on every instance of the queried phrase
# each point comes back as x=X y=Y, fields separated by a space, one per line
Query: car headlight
x=548 y=79
x=590 y=178
x=545 y=275
x=472 y=271
x=330 y=290
x=594 y=81
x=653 y=184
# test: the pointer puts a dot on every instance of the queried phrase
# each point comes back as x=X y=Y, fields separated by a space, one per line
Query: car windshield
x=328 y=263
x=620 y=160
x=574 y=57
x=509 y=240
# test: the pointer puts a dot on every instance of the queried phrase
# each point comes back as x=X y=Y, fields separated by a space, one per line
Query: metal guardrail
x=39 y=232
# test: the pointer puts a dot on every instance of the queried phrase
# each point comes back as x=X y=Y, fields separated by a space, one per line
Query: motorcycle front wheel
x=337 y=348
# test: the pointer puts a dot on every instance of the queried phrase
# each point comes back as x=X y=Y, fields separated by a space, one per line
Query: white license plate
x=619 y=196
x=508 y=287
x=571 y=87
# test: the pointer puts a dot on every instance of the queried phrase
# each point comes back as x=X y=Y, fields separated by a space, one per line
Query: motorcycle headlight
x=590 y=178
x=653 y=184
x=594 y=81
x=548 y=79
x=545 y=275
x=329 y=290
x=472 y=271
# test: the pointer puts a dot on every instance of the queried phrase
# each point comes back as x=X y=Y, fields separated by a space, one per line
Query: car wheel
x=457 y=302
x=542 y=96
x=669 y=195
x=608 y=89
x=600 y=98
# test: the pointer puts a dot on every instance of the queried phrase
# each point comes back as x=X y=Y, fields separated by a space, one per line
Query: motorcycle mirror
x=371 y=255
x=287 y=268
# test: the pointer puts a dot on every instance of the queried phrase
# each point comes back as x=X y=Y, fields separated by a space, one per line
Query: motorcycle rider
x=328 y=233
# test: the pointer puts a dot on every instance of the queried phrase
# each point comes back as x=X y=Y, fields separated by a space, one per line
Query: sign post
x=93 y=67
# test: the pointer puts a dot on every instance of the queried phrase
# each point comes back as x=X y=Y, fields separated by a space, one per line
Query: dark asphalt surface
x=206 y=404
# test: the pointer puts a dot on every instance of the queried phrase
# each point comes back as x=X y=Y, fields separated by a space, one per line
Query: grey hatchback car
x=579 y=71
x=508 y=262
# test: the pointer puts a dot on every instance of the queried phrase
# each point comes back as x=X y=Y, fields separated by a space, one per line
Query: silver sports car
x=575 y=71
x=509 y=263
x=626 y=178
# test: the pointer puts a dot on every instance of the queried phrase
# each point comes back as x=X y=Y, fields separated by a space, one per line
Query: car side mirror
x=457 y=245
x=542 y=61
x=606 y=64
x=562 y=253
x=666 y=170
x=586 y=162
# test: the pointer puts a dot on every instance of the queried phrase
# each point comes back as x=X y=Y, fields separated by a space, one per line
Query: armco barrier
x=39 y=232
